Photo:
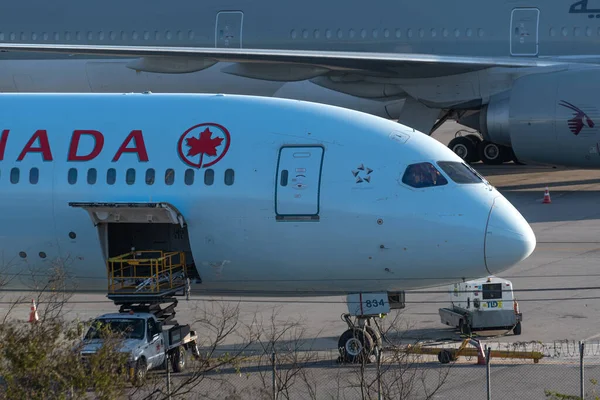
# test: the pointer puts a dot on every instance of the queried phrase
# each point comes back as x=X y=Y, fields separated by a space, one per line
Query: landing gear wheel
x=517 y=328
x=377 y=340
x=140 y=371
x=355 y=345
x=491 y=153
x=464 y=148
x=179 y=359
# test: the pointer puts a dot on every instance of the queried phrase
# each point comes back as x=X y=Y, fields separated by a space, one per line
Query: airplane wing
x=395 y=65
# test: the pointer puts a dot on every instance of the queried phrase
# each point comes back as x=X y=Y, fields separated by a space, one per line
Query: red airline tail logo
x=577 y=123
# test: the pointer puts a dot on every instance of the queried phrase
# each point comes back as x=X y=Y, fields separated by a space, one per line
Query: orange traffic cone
x=547 y=197
x=480 y=356
x=33 y=314
x=480 y=352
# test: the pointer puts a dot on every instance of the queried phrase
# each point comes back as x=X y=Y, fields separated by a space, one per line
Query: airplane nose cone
x=508 y=238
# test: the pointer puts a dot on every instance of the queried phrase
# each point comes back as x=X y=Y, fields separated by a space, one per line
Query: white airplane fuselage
x=277 y=197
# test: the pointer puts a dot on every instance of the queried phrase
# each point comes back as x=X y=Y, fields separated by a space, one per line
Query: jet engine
x=549 y=118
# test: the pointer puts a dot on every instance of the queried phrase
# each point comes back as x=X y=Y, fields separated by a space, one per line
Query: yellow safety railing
x=146 y=272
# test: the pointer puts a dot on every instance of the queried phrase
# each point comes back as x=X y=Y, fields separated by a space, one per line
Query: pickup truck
x=145 y=340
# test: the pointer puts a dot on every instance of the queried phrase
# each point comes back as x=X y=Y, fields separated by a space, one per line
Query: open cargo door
x=132 y=213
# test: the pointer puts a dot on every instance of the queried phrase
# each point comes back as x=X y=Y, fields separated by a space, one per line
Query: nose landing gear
x=363 y=339
x=360 y=342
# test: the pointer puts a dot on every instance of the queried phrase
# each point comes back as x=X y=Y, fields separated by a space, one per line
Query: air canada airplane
x=257 y=195
x=266 y=196
x=522 y=73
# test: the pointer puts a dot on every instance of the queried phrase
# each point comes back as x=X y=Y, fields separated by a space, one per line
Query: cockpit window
x=459 y=172
x=423 y=175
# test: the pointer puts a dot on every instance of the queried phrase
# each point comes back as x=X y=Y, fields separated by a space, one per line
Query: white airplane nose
x=508 y=238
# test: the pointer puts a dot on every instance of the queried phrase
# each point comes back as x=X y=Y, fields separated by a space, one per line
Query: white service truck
x=486 y=303
x=144 y=340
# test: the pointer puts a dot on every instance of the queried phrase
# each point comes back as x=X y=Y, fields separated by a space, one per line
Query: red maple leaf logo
x=203 y=144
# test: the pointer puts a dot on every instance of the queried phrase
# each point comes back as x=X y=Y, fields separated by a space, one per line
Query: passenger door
x=298 y=181
x=524 y=23
x=228 y=29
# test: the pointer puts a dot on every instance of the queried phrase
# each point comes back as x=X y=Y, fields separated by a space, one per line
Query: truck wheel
x=444 y=356
x=179 y=359
x=140 y=371
x=517 y=328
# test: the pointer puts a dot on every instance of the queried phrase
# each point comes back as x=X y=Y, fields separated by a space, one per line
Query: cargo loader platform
x=147 y=276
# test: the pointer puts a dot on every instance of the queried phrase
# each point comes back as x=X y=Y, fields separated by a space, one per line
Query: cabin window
x=209 y=177
x=229 y=175
x=72 y=176
x=189 y=176
x=459 y=172
x=92 y=175
x=169 y=176
x=111 y=176
x=14 y=175
x=34 y=176
x=130 y=176
x=150 y=176
x=423 y=175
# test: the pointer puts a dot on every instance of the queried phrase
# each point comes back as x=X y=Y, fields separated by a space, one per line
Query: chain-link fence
x=276 y=360
x=566 y=370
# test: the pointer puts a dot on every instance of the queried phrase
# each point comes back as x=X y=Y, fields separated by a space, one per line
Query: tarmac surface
x=558 y=286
